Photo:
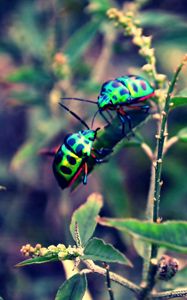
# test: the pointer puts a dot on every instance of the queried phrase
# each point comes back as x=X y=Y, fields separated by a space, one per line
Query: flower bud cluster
x=61 y=66
x=131 y=28
x=60 y=250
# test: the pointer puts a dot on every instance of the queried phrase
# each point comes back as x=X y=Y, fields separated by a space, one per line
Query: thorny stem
x=93 y=268
x=160 y=144
x=156 y=176
x=113 y=276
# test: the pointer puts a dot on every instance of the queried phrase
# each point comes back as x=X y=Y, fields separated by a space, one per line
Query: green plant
x=152 y=233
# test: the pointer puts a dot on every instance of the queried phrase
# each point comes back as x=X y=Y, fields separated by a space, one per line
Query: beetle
x=126 y=91
x=72 y=156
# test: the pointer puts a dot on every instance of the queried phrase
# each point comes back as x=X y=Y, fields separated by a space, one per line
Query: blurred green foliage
x=52 y=49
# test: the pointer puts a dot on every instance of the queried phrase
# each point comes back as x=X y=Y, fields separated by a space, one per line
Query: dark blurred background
x=52 y=49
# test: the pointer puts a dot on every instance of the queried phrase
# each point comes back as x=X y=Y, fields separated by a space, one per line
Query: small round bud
x=184 y=61
x=60 y=58
x=61 y=247
x=147 y=40
x=137 y=40
x=38 y=246
x=27 y=247
x=43 y=251
x=52 y=248
x=161 y=78
x=147 y=68
x=167 y=267
x=62 y=255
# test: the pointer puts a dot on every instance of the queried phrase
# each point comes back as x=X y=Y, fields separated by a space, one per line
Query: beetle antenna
x=75 y=115
x=94 y=118
x=79 y=99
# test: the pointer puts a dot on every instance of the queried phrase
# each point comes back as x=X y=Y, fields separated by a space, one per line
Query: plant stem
x=170 y=294
x=160 y=144
x=113 y=276
x=154 y=194
x=108 y=282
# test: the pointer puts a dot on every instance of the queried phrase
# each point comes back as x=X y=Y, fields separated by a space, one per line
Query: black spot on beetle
x=114 y=97
x=71 y=141
x=135 y=88
x=71 y=160
x=58 y=157
x=79 y=149
x=143 y=85
x=123 y=92
x=65 y=170
x=115 y=84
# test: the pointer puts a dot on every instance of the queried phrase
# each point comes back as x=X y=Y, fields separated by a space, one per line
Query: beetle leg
x=145 y=108
x=48 y=152
x=122 y=119
x=102 y=151
x=110 y=115
x=85 y=173
x=103 y=116
x=75 y=176
x=100 y=160
x=124 y=116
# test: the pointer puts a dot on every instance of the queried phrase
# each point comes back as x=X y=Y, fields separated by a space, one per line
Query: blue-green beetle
x=120 y=93
x=72 y=156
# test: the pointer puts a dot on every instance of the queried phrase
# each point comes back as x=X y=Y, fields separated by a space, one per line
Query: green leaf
x=113 y=188
x=182 y=135
x=80 y=40
x=85 y=218
x=38 y=260
x=140 y=247
x=171 y=234
x=100 y=7
x=73 y=288
x=178 y=101
x=30 y=38
x=97 y=249
x=162 y=20
x=25 y=152
x=27 y=96
x=29 y=75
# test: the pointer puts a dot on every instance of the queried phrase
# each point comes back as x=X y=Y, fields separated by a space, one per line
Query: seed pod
x=167 y=267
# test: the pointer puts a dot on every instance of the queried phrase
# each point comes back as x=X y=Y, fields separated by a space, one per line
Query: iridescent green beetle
x=125 y=91
x=72 y=156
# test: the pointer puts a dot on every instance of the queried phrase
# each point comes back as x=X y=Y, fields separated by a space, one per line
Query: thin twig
x=108 y=282
x=113 y=276
x=169 y=294
x=170 y=143
x=147 y=150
